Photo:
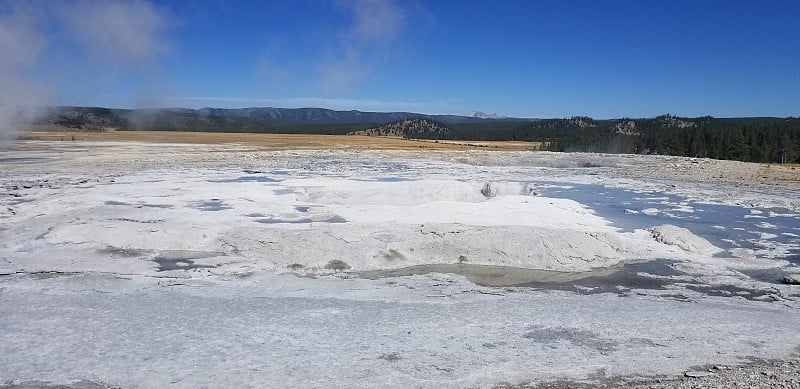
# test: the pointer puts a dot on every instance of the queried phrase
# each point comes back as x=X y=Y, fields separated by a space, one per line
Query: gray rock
x=791 y=279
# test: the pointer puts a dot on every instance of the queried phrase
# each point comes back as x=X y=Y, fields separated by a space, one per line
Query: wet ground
x=742 y=231
x=183 y=260
x=434 y=331
x=622 y=280
x=728 y=227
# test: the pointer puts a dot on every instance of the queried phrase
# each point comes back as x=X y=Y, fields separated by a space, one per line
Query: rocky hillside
x=625 y=127
x=669 y=121
x=408 y=128
x=581 y=122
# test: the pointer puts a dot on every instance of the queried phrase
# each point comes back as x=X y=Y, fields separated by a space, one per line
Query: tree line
x=766 y=140
x=744 y=139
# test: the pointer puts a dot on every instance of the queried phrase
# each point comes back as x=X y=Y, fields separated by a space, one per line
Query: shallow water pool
x=763 y=232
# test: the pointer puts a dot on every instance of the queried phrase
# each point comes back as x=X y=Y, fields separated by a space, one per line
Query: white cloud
x=376 y=21
x=113 y=47
x=340 y=75
x=376 y=25
x=128 y=33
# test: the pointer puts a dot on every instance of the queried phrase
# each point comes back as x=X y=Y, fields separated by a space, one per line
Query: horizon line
x=500 y=118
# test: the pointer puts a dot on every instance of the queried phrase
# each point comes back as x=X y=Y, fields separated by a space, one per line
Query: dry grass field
x=270 y=141
x=769 y=175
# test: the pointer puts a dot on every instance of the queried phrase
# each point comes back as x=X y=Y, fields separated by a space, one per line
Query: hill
x=408 y=128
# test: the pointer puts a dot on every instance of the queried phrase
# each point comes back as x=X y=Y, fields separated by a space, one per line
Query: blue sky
x=604 y=59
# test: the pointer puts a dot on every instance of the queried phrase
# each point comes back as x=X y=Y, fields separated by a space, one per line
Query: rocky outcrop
x=670 y=121
x=408 y=128
x=625 y=127
x=792 y=279
x=682 y=238
x=581 y=122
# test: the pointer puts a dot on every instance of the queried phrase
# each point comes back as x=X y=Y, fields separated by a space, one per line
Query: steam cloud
x=127 y=34
x=125 y=40
x=20 y=44
x=377 y=24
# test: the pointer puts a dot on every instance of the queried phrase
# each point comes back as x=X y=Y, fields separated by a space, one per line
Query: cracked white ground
x=153 y=265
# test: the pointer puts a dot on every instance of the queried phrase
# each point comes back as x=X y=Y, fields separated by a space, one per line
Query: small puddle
x=628 y=276
x=183 y=259
x=246 y=179
x=619 y=279
x=141 y=205
x=162 y=206
x=271 y=220
x=123 y=252
x=486 y=275
x=212 y=205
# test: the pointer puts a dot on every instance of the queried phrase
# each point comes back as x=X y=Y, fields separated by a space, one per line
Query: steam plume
x=20 y=43
x=376 y=25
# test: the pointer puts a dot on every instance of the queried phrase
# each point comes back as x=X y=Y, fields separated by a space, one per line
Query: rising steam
x=126 y=34
x=376 y=26
x=21 y=98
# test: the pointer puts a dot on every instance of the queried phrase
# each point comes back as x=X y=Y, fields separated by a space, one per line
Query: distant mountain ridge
x=759 y=139
x=257 y=120
x=268 y=119
x=110 y=117
x=329 y=116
